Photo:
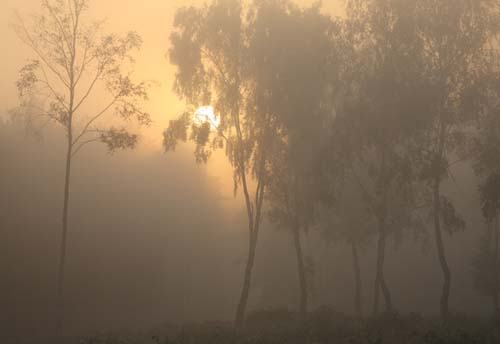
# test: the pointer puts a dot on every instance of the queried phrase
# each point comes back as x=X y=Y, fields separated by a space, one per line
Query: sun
x=206 y=114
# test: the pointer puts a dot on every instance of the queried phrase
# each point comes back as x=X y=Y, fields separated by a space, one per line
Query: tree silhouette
x=381 y=109
x=486 y=262
x=455 y=36
x=73 y=59
x=297 y=94
x=209 y=47
x=485 y=150
x=347 y=221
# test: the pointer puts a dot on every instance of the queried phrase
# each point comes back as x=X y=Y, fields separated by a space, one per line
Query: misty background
x=155 y=238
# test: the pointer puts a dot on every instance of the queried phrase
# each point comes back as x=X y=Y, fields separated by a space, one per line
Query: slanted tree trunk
x=436 y=192
x=495 y=266
x=440 y=249
x=254 y=217
x=301 y=272
x=247 y=278
x=376 y=294
x=380 y=282
x=357 y=280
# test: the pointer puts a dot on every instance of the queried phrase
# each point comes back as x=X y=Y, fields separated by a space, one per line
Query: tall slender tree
x=456 y=36
x=73 y=58
x=485 y=150
x=209 y=47
x=486 y=263
x=296 y=94
x=347 y=221
x=382 y=107
x=290 y=209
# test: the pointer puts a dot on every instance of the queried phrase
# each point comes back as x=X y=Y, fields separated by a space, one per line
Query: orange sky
x=152 y=19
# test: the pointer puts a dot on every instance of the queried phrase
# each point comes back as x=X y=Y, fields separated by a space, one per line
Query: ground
x=325 y=326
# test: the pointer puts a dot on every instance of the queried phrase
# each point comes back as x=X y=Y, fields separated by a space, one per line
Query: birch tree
x=296 y=90
x=73 y=59
x=385 y=98
x=209 y=48
x=456 y=36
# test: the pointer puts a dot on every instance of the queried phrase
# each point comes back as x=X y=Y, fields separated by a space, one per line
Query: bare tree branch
x=30 y=42
x=82 y=144
x=89 y=89
x=93 y=119
x=56 y=95
x=63 y=31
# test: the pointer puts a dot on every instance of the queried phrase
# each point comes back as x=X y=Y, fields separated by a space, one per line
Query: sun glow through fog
x=206 y=114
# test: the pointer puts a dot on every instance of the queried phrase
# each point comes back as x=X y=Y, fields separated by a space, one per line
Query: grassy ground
x=327 y=326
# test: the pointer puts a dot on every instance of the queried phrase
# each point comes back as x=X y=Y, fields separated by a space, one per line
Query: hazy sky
x=152 y=19
x=148 y=199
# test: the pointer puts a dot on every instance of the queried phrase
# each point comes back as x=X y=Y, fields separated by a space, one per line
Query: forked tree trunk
x=357 y=280
x=253 y=230
x=380 y=282
x=445 y=294
x=254 y=217
x=62 y=252
x=495 y=266
x=301 y=273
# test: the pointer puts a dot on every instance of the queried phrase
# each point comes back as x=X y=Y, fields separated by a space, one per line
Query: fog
x=157 y=240
x=153 y=242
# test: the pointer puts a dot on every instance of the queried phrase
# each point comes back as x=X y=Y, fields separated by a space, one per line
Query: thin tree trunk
x=357 y=280
x=385 y=288
x=254 y=217
x=495 y=266
x=62 y=252
x=301 y=273
x=382 y=217
x=379 y=278
x=253 y=230
x=440 y=250
x=67 y=183
x=376 y=294
x=252 y=241
x=247 y=278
